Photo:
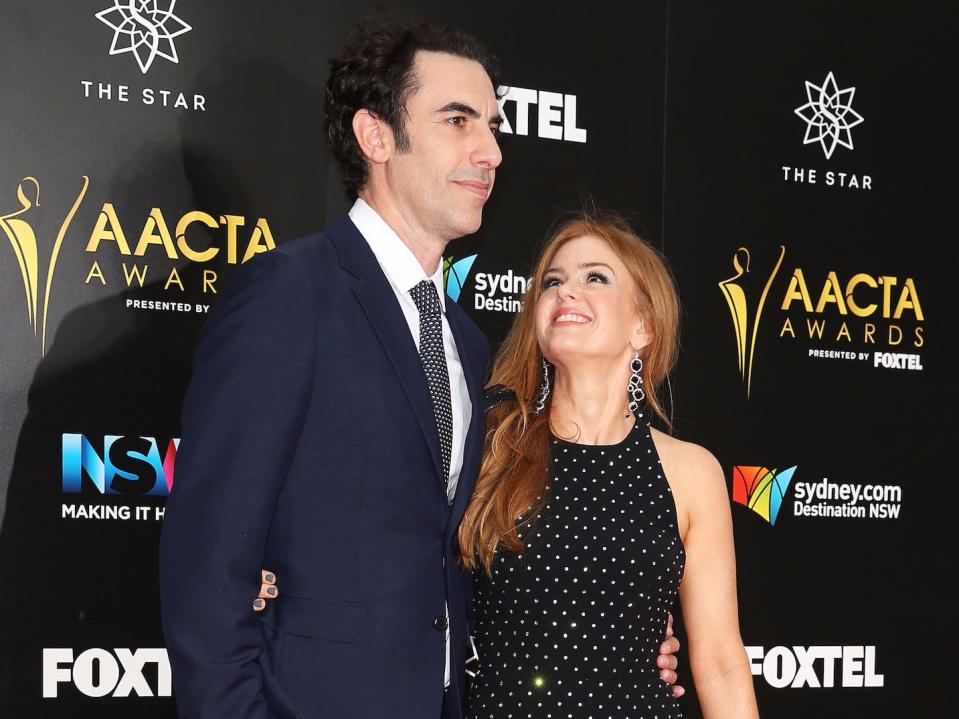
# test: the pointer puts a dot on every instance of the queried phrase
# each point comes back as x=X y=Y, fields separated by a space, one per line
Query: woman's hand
x=268 y=590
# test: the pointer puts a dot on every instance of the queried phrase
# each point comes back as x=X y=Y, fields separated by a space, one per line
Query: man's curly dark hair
x=376 y=74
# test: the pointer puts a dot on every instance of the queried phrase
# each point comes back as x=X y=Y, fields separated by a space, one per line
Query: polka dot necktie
x=433 y=357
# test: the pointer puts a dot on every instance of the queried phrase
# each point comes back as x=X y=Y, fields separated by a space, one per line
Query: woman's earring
x=634 y=388
x=543 y=389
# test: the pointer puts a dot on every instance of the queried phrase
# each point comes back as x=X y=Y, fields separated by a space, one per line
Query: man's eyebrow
x=462 y=107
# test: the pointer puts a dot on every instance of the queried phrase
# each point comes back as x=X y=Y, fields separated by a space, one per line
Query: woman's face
x=587 y=306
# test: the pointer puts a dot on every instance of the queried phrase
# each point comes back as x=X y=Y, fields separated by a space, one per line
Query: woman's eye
x=597 y=276
x=550 y=282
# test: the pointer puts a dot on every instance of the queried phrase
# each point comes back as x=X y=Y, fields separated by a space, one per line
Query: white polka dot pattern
x=571 y=628
x=433 y=357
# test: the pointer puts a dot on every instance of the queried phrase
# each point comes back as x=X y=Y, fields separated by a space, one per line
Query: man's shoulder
x=315 y=254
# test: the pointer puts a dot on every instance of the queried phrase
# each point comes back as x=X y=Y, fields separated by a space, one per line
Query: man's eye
x=457 y=121
x=495 y=129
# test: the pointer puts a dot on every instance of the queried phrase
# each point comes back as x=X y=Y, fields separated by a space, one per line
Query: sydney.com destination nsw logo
x=766 y=491
x=491 y=292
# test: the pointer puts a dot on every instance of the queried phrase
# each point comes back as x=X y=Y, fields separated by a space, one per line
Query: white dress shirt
x=404 y=272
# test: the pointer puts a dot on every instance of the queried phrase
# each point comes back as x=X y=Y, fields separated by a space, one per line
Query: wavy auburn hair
x=513 y=480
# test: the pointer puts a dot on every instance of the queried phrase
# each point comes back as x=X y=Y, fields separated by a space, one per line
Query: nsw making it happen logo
x=145 y=29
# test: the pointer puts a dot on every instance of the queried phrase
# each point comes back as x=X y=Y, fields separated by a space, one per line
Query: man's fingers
x=267 y=577
x=678 y=691
x=667 y=662
x=670 y=646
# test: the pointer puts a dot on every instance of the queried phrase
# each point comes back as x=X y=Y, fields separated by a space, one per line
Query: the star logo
x=140 y=27
x=829 y=115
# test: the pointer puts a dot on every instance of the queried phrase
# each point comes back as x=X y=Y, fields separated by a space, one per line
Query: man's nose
x=486 y=153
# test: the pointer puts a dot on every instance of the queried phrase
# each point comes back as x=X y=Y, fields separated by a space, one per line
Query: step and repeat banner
x=810 y=198
x=795 y=163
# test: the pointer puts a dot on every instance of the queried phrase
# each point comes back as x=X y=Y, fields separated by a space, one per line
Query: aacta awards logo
x=19 y=227
x=155 y=243
x=145 y=29
x=745 y=318
x=856 y=317
x=830 y=119
x=762 y=490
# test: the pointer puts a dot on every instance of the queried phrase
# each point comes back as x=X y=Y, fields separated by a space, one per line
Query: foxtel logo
x=816 y=667
x=555 y=114
x=101 y=672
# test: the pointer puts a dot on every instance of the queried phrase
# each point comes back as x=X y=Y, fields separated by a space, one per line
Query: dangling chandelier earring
x=634 y=388
x=543 y=389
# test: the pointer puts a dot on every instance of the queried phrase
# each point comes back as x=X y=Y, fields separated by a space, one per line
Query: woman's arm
x=707 y=593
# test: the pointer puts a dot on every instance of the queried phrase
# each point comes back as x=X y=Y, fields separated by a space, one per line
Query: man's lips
x=477 y=187
x=569 y=317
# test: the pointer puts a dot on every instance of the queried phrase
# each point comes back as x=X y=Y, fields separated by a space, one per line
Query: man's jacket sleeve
x=242 y=420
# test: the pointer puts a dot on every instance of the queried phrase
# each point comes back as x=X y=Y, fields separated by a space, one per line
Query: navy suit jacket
x=309 y=446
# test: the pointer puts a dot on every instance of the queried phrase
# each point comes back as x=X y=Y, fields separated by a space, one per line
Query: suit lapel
x=477 y=427
x=376 y=297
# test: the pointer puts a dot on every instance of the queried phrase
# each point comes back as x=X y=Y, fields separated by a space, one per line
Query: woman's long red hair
x=513 y=479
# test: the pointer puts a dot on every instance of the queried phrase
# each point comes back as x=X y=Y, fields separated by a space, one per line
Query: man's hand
x=666 y=661
x=268 y=590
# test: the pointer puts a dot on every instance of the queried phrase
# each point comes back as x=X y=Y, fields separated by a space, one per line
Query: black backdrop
x=680 y=114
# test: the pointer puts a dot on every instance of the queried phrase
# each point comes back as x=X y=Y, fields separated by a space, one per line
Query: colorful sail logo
x=761 y=490
x=455 y=273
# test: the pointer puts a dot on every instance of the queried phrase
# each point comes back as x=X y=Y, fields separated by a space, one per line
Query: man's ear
x=373 y=136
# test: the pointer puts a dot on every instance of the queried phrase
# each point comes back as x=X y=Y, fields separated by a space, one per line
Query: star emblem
x=140 y=27
x=829 y=115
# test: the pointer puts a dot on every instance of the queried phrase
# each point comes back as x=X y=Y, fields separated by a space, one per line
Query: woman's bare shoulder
x=687 y=463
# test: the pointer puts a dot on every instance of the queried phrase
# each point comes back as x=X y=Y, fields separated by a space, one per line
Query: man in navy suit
x=334 y=428
x=318 y=437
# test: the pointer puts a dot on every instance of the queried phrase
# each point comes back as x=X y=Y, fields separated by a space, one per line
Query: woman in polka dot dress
x=586 y=522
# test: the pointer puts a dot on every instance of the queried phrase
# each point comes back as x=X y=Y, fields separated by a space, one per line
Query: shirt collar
x=397 y=261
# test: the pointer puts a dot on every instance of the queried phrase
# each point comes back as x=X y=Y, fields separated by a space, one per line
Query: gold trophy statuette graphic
x=740 y=311
x=23 y=239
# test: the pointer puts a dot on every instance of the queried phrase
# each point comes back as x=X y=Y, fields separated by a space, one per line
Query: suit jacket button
x=441 y=624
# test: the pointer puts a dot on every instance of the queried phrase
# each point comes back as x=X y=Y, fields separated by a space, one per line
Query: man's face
x=443 y=181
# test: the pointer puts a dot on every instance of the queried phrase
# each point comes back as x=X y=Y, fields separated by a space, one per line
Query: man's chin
x=469 y=223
